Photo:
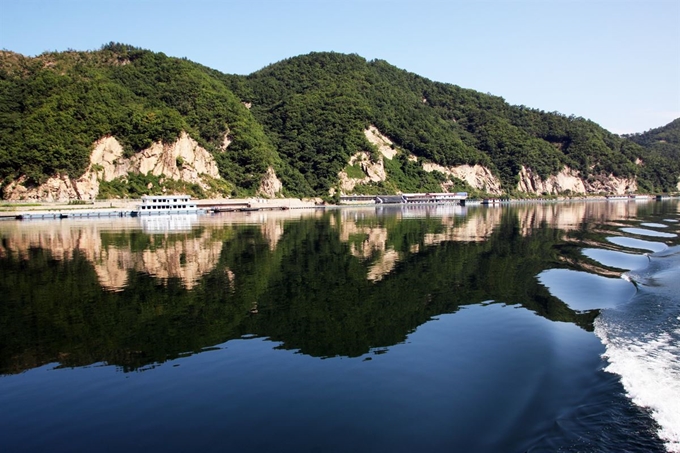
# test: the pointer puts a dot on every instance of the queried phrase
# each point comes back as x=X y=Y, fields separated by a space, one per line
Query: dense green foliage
x=661 y=154
x=307 y=118
x=315 y=106
x=55 y=106
x=665 y=140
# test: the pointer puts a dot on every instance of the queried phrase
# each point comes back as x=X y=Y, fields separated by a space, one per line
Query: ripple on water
x=619 y=260
x=646 y=232
x=585 y=291
x=633 y=243
x=653 y=225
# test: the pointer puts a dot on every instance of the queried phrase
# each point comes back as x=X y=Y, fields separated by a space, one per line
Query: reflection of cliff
x=182 y=256
x=323 y=304
x=369 y=242
x=188 y=259
x=339 y=283
x=478 y=226
x=570 y=216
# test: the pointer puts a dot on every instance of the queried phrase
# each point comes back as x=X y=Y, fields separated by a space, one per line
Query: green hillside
x=664 y=140
x=307 y=118
x=53 y=107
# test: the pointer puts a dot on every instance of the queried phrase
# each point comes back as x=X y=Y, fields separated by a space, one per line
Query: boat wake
x=642 y=341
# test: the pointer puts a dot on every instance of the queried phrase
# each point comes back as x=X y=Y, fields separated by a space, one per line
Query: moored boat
x=166 y=205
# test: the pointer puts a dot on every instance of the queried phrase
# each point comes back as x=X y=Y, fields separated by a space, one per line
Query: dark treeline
x=307 y=118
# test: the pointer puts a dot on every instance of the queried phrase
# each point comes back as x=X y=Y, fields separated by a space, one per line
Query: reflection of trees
x=57 y=311
x=310 y=291
x=323 y=305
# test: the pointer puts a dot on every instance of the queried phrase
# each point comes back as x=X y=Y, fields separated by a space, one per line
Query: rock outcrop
x=384 y=144
x=567 y=180
x=476 y=176
x=374 y=171
x=570 y=181
x=56 y=188
x=182 y=160
x=270 y=186
x=610 y=184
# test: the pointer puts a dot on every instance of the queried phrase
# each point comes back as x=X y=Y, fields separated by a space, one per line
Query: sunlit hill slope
x=124 y=121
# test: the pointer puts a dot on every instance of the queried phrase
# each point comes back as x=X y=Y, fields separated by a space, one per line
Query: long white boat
x=166 y=205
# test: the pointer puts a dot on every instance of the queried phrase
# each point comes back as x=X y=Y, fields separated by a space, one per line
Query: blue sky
x=616 y=62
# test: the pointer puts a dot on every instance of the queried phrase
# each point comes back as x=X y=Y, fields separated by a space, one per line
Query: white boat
x=166 y=205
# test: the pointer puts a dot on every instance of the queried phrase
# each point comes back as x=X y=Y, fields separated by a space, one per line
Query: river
x=536 y=327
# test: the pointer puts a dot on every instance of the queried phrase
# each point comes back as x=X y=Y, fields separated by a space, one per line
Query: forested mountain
x=304 y=117
x=664 y=140
x=53 y=107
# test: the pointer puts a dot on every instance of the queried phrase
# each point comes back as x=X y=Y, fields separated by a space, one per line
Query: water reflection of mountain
x=165 y=248
x=335 y=283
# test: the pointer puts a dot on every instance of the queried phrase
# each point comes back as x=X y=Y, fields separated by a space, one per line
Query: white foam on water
x=649 y=368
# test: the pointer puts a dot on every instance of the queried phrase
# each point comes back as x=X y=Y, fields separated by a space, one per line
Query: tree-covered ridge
x=55 y=106
x=665 y=140
x=438 y=122
x=307 y=119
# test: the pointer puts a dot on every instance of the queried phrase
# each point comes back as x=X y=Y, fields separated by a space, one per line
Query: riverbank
x=123 y=207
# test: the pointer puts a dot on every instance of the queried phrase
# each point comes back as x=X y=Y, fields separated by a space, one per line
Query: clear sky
x=616 y=62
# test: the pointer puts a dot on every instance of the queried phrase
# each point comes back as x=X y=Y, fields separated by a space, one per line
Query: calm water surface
x=545 y=327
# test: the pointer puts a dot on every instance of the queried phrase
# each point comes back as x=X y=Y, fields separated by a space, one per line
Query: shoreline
x=122 y=207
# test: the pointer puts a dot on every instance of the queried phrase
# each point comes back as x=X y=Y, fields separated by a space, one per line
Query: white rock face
x=374 y=171
x=611 y=184
x=58 y=188
x=570 y=180
x=182 y=160
x=162 y=159
x=565 y=180
x=270 y=186
x=384 y=144
x=476 y=176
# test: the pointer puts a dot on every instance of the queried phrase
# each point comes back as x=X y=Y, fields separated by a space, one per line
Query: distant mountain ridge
x=665 y=140
x=315 y=125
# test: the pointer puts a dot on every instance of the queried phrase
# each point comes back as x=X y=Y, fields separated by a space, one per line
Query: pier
x=89 y=213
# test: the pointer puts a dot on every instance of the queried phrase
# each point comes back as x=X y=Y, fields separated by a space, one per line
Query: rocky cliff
x=185 y=160
x=478 y=177
x=569 y=181
x=182 y=160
